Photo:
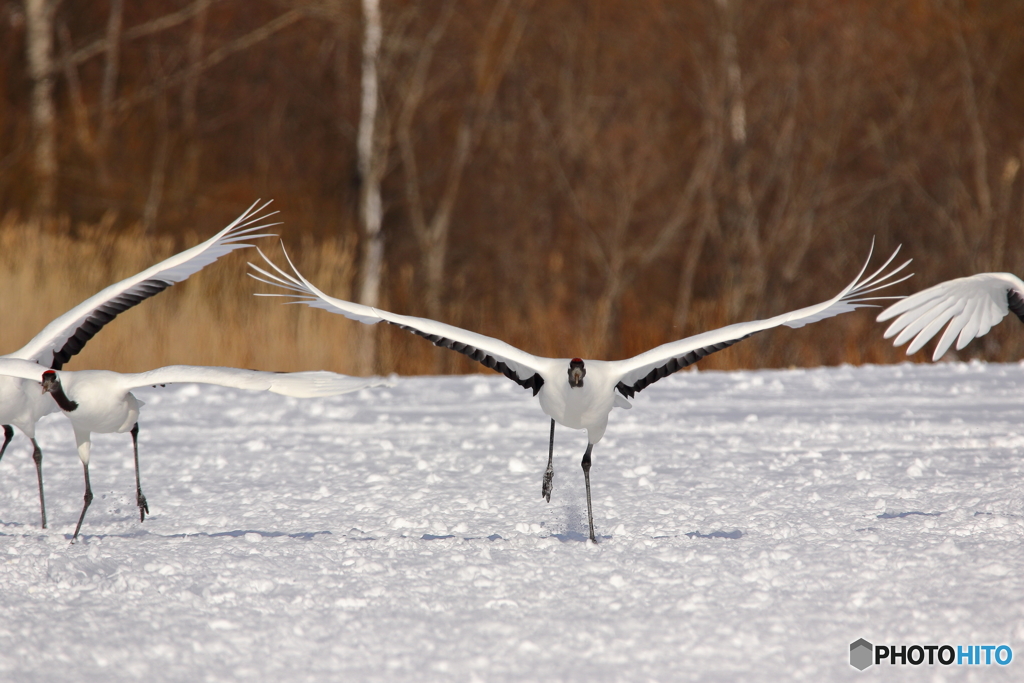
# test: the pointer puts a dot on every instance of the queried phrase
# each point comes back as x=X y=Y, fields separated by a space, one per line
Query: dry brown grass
x=211 y=319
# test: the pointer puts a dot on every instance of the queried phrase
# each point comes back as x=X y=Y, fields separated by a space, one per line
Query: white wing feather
x=971 y=305
x=854 y=296
x=959 y=323
x=89 y=316
x=298 y=384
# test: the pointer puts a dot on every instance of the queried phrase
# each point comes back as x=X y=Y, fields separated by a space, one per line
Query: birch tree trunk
x=370 y=170
x=39 y=15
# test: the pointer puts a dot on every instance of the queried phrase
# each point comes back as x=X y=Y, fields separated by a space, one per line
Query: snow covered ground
x=751 y=525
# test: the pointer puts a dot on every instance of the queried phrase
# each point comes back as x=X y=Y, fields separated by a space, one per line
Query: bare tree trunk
x=39 y=16
x=371 y=167
x=708 y=220
x=1015 y=220
x=747 y=276
x=702 y=181
x=978 y=146
x=159 y=173
x=435 y=239
x=83 y=131
x=189 y=96
x=108 y=90
x=613 y=256
x=606 y=308
x=1010 y=172
x=623 y=259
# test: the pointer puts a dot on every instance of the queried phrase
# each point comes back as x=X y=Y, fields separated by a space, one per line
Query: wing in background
x=68 y=334
x=971 y=305
x=298 y=384
x=25 y=369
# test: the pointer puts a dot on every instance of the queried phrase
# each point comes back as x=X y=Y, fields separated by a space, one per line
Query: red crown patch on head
x=576 y=360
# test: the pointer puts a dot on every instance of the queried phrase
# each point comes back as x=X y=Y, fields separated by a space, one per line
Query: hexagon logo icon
x=861 y=654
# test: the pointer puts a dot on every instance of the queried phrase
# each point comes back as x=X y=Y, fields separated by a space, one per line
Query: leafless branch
x=211 y=60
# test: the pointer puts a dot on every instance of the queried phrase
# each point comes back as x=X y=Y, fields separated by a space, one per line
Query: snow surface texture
x=751 y=526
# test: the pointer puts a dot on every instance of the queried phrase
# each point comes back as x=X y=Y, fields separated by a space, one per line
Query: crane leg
x=88 y=499
x=37 y=458
x=549 y=474
x=586 y=477
x=140 y=499
x=8 y=435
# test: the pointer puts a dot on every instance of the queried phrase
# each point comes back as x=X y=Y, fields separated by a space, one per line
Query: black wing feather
x=673 y=365
x=103 y=315
x=535 y=382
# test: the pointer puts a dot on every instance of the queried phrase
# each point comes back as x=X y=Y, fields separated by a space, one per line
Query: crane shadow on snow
x=733 y=534
x=571 y=537
x=142 y=533
x=236 y=533
x=578 y=537
x=893 y=514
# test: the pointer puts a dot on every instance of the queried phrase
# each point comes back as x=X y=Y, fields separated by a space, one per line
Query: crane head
x=576 y=373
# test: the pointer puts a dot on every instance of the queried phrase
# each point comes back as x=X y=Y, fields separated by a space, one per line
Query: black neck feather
x=65 y=403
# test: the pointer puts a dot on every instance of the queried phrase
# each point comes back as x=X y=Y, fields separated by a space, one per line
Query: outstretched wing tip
x=649 y=367
x=66 y=335
x=514 y=363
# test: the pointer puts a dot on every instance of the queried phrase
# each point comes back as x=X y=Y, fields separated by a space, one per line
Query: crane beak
x=49 y=381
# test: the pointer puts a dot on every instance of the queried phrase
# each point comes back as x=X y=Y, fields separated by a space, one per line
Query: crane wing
x=522 y=368
x=68 y=334
x=643 y=370
x=25 y=369
x=971 y=305
x=297 y=384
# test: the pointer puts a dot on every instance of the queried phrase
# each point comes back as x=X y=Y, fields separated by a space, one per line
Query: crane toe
x=140 y=499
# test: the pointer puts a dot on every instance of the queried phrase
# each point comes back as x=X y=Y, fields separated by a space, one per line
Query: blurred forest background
x=578 y=178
